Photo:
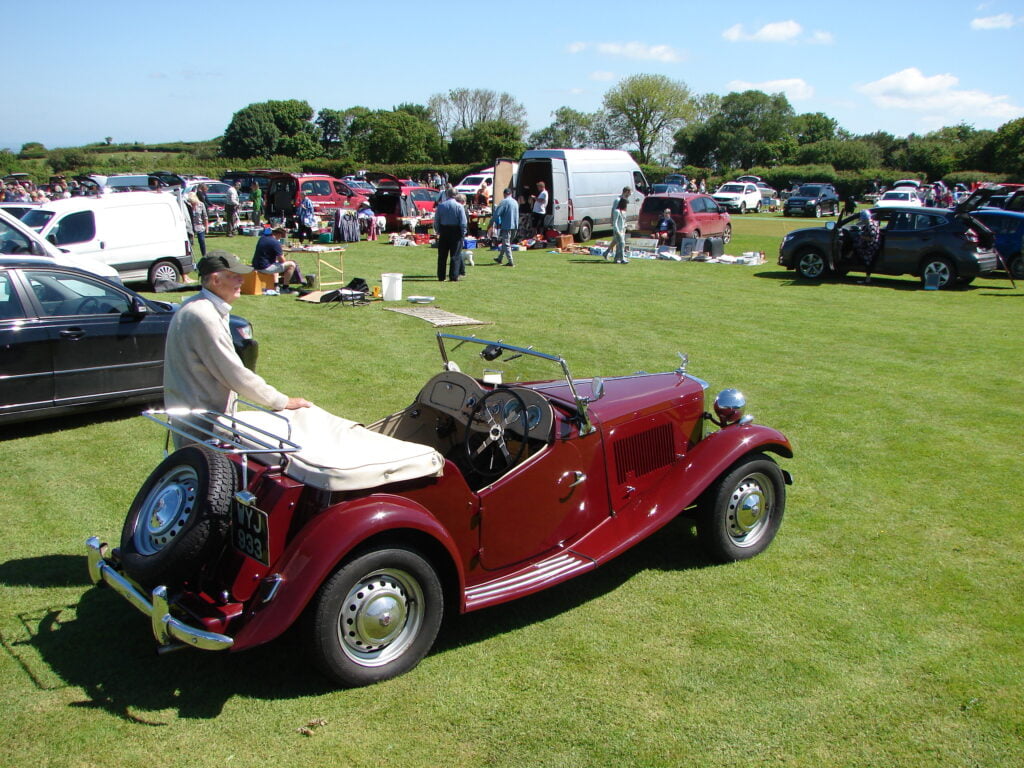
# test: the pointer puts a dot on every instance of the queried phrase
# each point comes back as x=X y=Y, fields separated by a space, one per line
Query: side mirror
x=138 y=309
x=596 y=388
x=52 y=237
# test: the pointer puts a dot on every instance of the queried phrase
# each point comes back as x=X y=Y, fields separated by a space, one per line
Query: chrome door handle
x=578 y=477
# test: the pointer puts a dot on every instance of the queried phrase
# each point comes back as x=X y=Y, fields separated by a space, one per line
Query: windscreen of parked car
x=476 y=181
x=809 y=191
x=36 y=219
x=12 y=241
x=735 y=189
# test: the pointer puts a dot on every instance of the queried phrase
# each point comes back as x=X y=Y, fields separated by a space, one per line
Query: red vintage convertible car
x=486 y=488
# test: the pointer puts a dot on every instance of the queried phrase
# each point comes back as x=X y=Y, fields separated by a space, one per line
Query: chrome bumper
x=169 y=632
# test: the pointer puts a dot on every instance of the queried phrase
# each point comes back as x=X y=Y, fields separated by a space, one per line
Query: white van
x=582 y=185
x=140 y=234
x=18 y=239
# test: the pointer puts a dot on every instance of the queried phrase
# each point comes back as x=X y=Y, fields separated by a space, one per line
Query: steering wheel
x=486 y=447
x=87 y=306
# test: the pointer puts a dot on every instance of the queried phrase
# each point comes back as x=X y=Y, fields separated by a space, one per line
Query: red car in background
x=285 y=190
x=424 y=198
x=695 y=215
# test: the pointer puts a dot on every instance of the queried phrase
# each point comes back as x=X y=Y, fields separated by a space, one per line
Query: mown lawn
x=884 y=626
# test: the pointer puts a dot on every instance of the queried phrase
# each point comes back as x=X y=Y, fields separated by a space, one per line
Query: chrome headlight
x=729 y=406
x=244 y=331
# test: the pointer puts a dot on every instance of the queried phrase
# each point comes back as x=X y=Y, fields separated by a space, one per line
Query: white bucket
x=392 y=285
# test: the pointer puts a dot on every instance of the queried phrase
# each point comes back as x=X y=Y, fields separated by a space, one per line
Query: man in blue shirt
x=506 y=219
x=450 y=224
x=269 y=258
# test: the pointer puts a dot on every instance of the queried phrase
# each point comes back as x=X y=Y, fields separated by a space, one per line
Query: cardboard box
x=565 y=241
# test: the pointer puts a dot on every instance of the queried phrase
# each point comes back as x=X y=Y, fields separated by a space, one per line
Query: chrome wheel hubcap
x=750 y=509
x=381 y=617
x=166 y=510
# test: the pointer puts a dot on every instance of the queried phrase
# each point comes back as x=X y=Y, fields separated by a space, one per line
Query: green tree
x=842 y=155
x=331 y=125
x=252 y=132
x=392 y=137
x=811 y=127
x=750 y=128
x=570 y=130
x=463 y=108
x=32 y=150
x=63 y=160
x=651 y=107
x=304 y=145
x=290 y=116
x=486 y=141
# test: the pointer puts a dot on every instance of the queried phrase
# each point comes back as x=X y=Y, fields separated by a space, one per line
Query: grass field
x=884 y=627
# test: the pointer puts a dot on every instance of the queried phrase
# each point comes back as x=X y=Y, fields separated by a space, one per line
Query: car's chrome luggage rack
x=226 y=433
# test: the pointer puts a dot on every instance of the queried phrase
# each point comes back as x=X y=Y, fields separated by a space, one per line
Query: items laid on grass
x=438 y=318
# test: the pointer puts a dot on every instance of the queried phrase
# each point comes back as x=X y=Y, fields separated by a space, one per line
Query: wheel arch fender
x=336 y=534
x=713 y=456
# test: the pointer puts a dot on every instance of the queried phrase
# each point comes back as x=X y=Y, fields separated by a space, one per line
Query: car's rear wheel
x=376 y=617
x=179 y=517
x=585 y=231
x=164 y=271
x=940 y=269
x=727 y=233
x=1016 y=267
x=810 y=264
x=742 y=513
x=757 y=208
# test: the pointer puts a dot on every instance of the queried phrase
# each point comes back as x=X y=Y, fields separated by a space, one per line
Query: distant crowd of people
x=27 y=192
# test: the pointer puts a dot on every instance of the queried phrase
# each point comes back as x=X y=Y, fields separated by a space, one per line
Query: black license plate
x=250 y=532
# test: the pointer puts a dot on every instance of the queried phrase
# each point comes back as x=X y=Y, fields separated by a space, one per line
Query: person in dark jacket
x=665 y=229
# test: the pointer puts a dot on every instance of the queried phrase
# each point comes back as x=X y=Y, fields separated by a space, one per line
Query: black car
x=812 y=200
x=73 y=341
x=948 y=246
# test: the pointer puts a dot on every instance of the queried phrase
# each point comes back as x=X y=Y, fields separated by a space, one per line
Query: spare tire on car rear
x=180 y=517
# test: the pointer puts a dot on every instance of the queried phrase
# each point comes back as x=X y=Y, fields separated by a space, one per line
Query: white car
x=741 y=196
x=898 y=198
x=469 y=185
x=18 y=239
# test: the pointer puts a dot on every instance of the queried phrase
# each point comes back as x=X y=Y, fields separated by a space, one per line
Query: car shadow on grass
x=68 y=422
x=104 y=648
x=891 y=282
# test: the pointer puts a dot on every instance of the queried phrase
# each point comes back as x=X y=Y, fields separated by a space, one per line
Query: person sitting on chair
x=269 y=258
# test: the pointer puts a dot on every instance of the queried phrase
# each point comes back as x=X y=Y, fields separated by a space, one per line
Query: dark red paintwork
x=538 y=525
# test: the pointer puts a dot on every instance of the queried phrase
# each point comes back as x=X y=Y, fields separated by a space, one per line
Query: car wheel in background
x=942 y=268
x=585 y=231
x=810 y=264
x=727 y=233
x=164 y=271
x=743 y=512
x=817 y=211
x=376 y=617
x=743 y=208
x=179 y=517
x=1016 y=267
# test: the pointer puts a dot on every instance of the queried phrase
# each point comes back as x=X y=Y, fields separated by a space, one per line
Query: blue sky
x=145 y=71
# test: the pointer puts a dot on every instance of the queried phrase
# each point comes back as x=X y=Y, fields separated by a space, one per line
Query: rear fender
x=713 y=455
x=318 y=549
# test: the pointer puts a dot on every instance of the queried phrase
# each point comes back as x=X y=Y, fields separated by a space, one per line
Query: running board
x=533 y=578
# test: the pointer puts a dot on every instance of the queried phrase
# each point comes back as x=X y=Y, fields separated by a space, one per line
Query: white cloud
x=794 y=88
x=777 y=32
x=937 y=96
x=602 y=76
x=631 y=50
x=1000 y=21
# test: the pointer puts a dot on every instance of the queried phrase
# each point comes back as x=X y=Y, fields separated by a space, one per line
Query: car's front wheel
x=376 y=617
x=743 y=208
x=743 y=512
x=941 y=270
x=817 y=211
x=810 y=264
x=727 y=233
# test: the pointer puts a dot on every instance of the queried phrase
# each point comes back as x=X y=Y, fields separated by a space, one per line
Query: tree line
x=660 y=120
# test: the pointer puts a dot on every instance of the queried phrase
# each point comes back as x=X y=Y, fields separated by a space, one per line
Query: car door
x=901 y=244
x=102 y=349
x=77 y=233
x=26 y=359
